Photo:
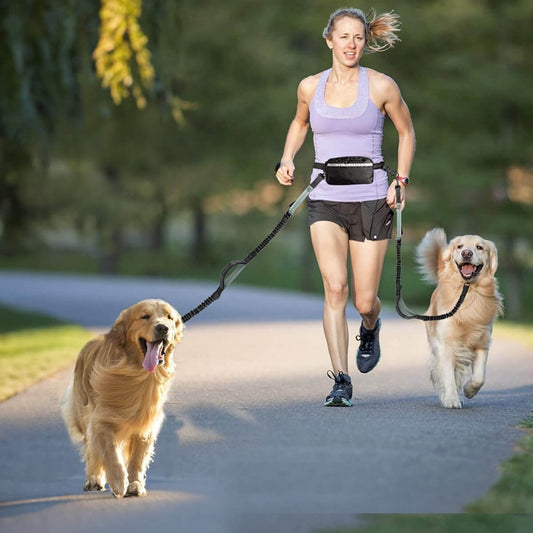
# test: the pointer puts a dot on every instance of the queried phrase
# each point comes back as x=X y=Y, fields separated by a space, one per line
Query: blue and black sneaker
x=369 y=352
x=341 y=395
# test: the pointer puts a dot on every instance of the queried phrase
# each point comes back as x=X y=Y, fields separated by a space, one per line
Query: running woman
x=346 y=106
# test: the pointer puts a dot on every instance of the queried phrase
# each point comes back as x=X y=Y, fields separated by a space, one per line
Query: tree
x=38 y=74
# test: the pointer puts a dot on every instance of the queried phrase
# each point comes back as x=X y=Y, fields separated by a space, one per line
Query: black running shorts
x=370 y=220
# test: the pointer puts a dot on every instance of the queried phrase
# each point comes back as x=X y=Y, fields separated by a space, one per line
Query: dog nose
x=161 y=329
x=467 y=255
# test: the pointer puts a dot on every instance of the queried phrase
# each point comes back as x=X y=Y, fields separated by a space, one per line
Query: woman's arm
x=398 y=112
x=397 y=109
x=297 y=131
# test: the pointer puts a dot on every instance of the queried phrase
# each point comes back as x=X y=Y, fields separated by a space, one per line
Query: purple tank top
x=347 y=131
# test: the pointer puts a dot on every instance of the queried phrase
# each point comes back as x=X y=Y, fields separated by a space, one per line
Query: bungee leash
x=234 y=268
x=401 y=307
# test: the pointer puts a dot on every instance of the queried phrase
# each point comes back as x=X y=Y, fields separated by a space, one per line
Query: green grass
x=32 y=347
x=519 y=332
x=443 y=523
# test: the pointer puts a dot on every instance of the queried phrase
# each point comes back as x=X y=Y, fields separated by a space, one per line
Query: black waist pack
x=352 y=170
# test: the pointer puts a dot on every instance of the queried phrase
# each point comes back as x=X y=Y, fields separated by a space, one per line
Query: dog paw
x=136 y=489
x=471 y=389
x=118 y=488
x=94 y=485
x=451 y=403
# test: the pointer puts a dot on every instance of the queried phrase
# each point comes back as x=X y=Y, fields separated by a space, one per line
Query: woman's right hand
x=285 y=173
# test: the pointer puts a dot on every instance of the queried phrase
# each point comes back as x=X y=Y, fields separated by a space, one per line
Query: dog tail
x=68 y=411
x=428 y=253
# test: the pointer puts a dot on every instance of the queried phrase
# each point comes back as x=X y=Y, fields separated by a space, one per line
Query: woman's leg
x=367 y=265
x=330 y=243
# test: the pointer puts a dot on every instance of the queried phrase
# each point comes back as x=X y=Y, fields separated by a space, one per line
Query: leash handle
x=398 y=210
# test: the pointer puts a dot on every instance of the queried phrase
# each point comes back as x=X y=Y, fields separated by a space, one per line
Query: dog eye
x=479 y=247
x=459 y=246
x=145 y=317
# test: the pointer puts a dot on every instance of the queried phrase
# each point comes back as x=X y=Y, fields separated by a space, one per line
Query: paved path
x=247 y=445
x=95 y=301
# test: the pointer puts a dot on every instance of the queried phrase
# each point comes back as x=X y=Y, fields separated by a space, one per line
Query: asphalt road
x=247 y=445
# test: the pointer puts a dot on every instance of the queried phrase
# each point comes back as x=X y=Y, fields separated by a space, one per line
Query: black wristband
x=277 y=166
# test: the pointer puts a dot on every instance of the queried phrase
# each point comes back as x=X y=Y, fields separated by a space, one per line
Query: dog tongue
x=467 y=269
x=152 y=355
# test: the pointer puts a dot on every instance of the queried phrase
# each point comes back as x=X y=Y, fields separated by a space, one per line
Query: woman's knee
x=336 y=292
x=365 y=305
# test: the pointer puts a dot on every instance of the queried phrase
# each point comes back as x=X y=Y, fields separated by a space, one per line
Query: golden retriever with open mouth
x=459 y=344
x=113 y=405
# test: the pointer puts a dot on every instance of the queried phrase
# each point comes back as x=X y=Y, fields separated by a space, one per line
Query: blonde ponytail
x=380 y=30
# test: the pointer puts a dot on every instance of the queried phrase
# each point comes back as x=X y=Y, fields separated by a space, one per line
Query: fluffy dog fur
x=113 y=405
x=460 y=344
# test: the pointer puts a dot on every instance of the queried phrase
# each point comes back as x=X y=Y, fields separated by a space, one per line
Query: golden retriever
x=113 y=405
x=459 y=344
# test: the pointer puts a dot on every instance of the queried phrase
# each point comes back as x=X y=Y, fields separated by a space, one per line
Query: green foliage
x=38 y=87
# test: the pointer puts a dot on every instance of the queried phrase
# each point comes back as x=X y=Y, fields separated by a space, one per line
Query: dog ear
x=179 y=330
x=119 y=329
x=493 y=256
x=445 y=246
x=447 y=253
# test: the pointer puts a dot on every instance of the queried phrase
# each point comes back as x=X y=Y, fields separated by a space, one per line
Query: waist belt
x=367 y=164
x=351 y=170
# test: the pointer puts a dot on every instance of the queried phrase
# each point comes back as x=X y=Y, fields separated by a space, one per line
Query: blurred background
x=139 y=137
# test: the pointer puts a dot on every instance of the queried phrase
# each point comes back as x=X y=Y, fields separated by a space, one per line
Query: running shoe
x=369 y=352
x=341 y=395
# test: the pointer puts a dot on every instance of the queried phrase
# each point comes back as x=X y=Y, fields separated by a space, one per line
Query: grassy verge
x=519 y=332
x=32 y=347
x=457 y=523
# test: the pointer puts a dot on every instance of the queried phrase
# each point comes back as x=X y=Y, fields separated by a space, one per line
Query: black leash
x=401 y=307
x=234 y=268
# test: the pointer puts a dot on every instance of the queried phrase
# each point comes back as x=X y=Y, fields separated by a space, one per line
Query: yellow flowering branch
x=121 y=45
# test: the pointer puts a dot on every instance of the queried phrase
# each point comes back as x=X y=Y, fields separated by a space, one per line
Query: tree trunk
x=199 y=245
x=513 y=276
x=157 y=233
x=110 y=231
x=111 y=252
